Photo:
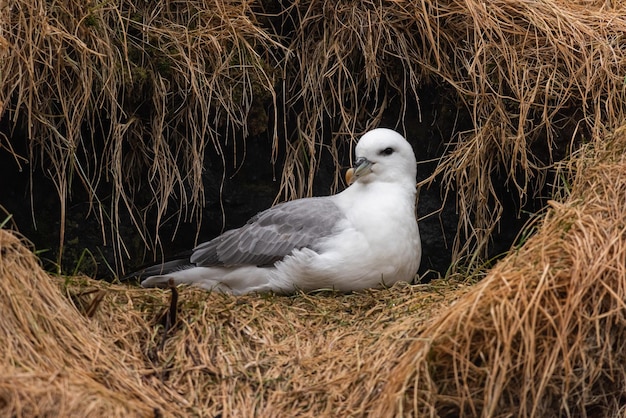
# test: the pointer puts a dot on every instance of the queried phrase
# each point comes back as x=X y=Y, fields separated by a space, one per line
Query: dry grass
x=123 y=94
x=307 y=355
x=53 y=361
x=541 y=335
x=131 y=95
x=548 y=73
x=544 y=333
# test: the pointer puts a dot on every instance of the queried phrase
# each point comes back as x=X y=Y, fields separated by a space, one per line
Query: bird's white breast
x=378 y=243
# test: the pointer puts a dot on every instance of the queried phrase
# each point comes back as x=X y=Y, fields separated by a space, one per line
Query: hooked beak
x=362 y=166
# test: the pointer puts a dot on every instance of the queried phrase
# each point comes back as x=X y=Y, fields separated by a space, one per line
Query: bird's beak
x=362 y=166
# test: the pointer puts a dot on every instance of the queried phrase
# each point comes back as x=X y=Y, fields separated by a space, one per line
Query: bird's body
x=364 y=237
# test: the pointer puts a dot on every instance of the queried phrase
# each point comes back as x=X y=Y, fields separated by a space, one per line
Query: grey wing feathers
x=160 y=269
x=272 y=234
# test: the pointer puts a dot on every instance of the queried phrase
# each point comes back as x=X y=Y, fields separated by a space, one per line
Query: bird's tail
x=233 y=280
x=149 y=276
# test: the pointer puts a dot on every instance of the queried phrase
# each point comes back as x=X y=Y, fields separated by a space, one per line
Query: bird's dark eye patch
x=387 y=151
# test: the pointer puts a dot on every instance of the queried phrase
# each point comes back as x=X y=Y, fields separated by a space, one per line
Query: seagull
x=363 y=237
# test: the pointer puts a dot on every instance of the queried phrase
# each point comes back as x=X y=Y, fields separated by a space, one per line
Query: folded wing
x=272 y=234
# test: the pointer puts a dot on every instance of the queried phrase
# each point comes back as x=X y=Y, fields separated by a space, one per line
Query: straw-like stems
x=543 y=333
x=115 y=93
x=161 y=85
x=53 y=361
x=306 y=355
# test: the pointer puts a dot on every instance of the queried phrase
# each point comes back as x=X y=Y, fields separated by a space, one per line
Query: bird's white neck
x=376 y=194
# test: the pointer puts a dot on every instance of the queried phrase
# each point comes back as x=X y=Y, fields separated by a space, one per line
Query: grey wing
x=272 y=234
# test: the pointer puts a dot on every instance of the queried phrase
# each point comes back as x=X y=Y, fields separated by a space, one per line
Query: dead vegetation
x=544 y=333
x=132 y=95
x=541 y=335
x=307 y=355
x=53 y=361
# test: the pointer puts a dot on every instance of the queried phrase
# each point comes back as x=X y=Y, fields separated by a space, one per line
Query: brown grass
x=53 y=361
x=155 y=87
x=541 y=335
x=131 y=95
x=307 y=355
x=546 y=72
x=544 y=333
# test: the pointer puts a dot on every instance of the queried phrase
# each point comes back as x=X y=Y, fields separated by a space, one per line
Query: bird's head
x=383 y=155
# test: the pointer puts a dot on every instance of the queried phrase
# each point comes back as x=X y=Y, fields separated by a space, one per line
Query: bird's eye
x=387 y=151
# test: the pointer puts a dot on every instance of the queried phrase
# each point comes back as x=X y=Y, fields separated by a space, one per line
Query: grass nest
x=543 y=334
x=77 y=347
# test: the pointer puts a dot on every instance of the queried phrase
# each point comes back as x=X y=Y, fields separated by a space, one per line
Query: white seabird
x=364 y=237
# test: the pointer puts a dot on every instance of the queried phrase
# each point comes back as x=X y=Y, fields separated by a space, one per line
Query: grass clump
x=77 y=346
x=543 y=333
x=120 y=98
